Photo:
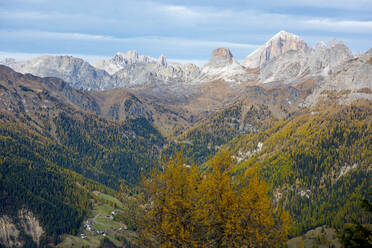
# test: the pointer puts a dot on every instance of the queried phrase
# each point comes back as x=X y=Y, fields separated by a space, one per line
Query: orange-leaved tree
x=216 y=207
x=170 y=194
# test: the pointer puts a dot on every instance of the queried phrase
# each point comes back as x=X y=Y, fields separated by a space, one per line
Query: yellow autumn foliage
x=217 y=207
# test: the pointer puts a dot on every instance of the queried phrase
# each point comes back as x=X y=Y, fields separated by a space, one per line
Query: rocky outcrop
x=9 y=234
x=221 y=57
x=30 y=225
x=292 y=66
x=162 y=60
x=121 y=60
x=131 y=69
x=281 y=43
x=223 y=66
x=353 y=80
x=13 y=229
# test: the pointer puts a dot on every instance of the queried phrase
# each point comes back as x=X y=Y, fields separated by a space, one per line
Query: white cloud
x=35 y=15
x=26 y=56
x=337 y=4
x=81 y=36
x=340 y=25
x=56 y=35
x=179 y=11
x=155 y=27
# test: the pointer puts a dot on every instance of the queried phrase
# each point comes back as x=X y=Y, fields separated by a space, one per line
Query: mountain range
x=284 y=59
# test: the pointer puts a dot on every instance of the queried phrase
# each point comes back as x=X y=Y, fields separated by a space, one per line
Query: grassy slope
x=110 y=227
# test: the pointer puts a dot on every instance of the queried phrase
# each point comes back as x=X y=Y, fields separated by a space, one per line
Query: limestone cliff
x=14 y=228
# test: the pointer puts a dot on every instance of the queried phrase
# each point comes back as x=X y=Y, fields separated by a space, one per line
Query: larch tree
x=170 y=195
x=216 y=207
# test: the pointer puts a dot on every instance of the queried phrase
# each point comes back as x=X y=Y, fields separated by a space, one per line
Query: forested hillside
x=85 y=142
x=33 y=177
x=202 y=141
x=255 y=109
x=53 y=155
x=317 y=163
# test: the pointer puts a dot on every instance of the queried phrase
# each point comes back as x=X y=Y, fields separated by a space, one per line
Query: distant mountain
x=279 y=44
x=351 y=81
x=223 y=66
x=187 y=89
x=131 y=69
x=79 y=73
x=320 y=61
x=120 y=60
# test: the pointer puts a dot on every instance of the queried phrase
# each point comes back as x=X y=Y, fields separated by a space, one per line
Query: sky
x=183 y=31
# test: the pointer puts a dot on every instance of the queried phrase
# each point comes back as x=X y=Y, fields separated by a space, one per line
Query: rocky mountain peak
x=128 y=58
x=334 y=42
x=120 y=60
x=279 y=44
x=222 y=65
x=284 y=35
x=162 y=60
x=320 y=45
x=220 y=57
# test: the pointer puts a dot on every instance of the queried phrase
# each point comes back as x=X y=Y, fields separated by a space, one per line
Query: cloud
x=179 y=11
x=185 y=29
x=55 y=35
x=82 y=36
x=75 y=43
x=26 y=56
x=340 y=25
x=336 y=4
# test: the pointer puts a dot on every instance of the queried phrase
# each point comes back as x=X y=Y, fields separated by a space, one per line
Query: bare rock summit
x=279 y=44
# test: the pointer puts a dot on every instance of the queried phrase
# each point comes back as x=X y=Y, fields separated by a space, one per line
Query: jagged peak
x=334 y=42
x=162 y=60
x=128 y=54
x=284 y=34
x=222 y=51
x=320 y=45
x=279 y=44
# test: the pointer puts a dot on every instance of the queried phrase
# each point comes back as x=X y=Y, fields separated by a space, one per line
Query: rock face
x=11 y=229
x=79 y=73
x=120 y=60
x=281 y=43
x=30 y=225
x=131 y=69
x=222 y=65
x=320 y=61
x=162 y=60
x=221 y=57
x=122 y=71
x=155 y=73
x=353 y=80
x=9 y=234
